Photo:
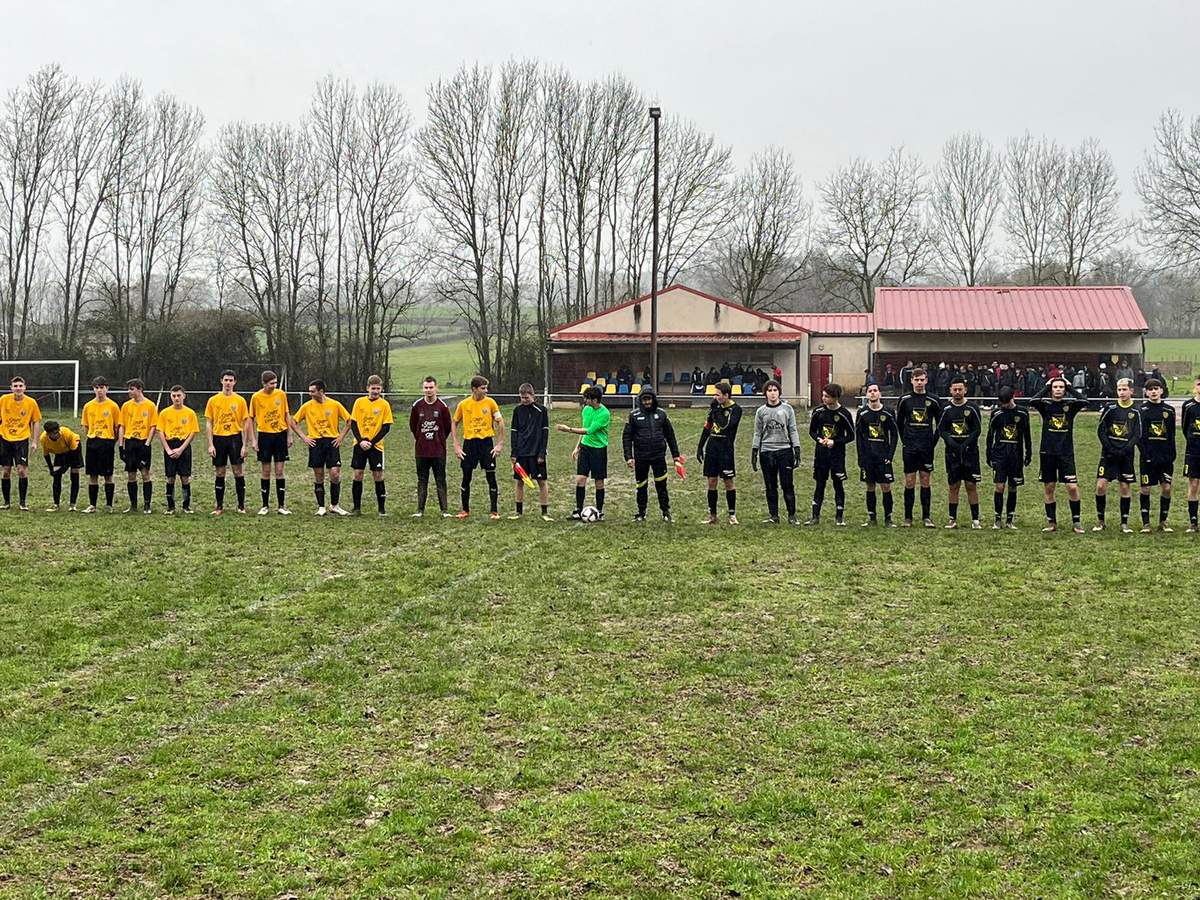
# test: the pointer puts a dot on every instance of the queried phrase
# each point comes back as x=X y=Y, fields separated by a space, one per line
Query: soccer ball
x=589 y=514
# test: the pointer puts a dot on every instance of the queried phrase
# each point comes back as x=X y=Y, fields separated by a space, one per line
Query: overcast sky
x=826 y=80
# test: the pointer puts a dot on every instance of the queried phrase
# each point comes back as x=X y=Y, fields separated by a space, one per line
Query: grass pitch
x=279 y=707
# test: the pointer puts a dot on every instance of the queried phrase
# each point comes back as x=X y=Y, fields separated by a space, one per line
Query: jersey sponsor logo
x=918 y=416
x=959 y=428
x=1058 y=423
x=1118 y=429
x=1010 y=432
x=874 y=431
x=1158 y=429
x=828 y=431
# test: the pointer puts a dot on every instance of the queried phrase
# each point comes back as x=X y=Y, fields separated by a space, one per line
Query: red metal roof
x=678 y=337
x=831 y=323
x=1007 y=309
x=554 y=332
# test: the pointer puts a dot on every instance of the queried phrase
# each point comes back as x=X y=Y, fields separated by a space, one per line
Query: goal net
x=53 y=383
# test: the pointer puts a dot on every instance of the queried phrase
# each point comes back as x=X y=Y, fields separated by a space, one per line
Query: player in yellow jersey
x=20 y=422
x=138 y=425
x=271 y=437
x=323 y=418
x=60 y=449
x=227 y=416
x=370 y=420
x=100 y=419
x=177 y=428
x=481 y=421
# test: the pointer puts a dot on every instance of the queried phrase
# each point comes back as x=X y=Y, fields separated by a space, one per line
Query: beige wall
x=849 y=354
x=678 y=311
x=931 y=344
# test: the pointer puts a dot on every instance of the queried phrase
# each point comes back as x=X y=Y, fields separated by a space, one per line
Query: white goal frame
x=52 y=362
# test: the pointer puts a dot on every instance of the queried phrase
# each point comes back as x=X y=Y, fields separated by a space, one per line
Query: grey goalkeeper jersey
x=775 y=428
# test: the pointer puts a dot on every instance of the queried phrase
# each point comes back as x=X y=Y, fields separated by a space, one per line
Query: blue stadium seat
x=668 y=378
x=623 y=389
x=685 y=378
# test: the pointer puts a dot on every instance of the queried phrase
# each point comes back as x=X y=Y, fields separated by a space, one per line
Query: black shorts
x=1008 y=471
x=1191 y=466
x=272 y=446
x=830 y=465
x=478 y=452
x=180 y=466
x=1057 y=467
x=963 y=467
x=14 y=453
x=1116 y=468
x=534 y=469
x=917 y=459
x=72 y=459
x=593 y=462
x=137 y=455
x=98 y=457
x=325 y=454
x=229 y=450
x=718 y=461
x=1156 y=473
x=876 y=471
x=366 y=459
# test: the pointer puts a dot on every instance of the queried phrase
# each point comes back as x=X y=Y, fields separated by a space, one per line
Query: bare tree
x=875 y=228
x=968 y=190
x=763 y=254
x=31 y=138
x=1087 y=203
x=1033 y=170
x=1169 y=184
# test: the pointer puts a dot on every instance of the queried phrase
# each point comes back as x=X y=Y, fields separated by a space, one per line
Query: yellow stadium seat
x=610 y=389
x=737 y=389
x=601 y=381
x=710 y=389
x=583 y=387
x=635 y=389
x=591 y=375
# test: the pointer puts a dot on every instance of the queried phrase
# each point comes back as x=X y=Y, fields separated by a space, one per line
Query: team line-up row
x=477 y=431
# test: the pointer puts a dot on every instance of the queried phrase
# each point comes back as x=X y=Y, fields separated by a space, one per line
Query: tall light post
x=655 y=115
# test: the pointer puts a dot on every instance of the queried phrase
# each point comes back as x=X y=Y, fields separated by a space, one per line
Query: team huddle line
x=476 y=430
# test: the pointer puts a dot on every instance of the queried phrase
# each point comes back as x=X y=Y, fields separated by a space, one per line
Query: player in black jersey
x=877 y=435
x=832 y=428
x=715 y=451
x=1058 y=406
x=1157 y=451
x=1119 y=431
x=1190 y=423
x=1009 y=451
x=959 y=428
x=917 y=415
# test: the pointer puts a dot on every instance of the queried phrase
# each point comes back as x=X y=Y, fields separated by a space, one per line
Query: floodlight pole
x=655 y=114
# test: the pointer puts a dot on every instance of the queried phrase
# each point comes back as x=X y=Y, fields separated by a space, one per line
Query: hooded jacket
x=648 y=433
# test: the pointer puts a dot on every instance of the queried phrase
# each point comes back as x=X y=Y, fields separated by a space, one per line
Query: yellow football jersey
x=177 y=424
x=227 y=414
x=100 y=420
x=67 y=441
x=323 y=419
x=270 y=411
x=370 y=416
x=478 y=417
x=16 y=419
x=139 y=419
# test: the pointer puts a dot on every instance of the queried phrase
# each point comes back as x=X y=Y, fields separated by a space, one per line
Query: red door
x=819 y=368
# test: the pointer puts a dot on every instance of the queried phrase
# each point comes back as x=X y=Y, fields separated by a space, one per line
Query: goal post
x=24 y=364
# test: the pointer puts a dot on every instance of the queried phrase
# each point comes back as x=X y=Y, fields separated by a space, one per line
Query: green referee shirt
x=595 y=423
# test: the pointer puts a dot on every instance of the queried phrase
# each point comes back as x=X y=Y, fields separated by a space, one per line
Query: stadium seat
x=710 y=389
x=685 y=378
x=622 y=389
x=601 y=381
x=737 y=389
x=737 y=379
x=636 y=389
x=748 y=388
x=610 y=389
x=668 y=378
x=583 y=387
